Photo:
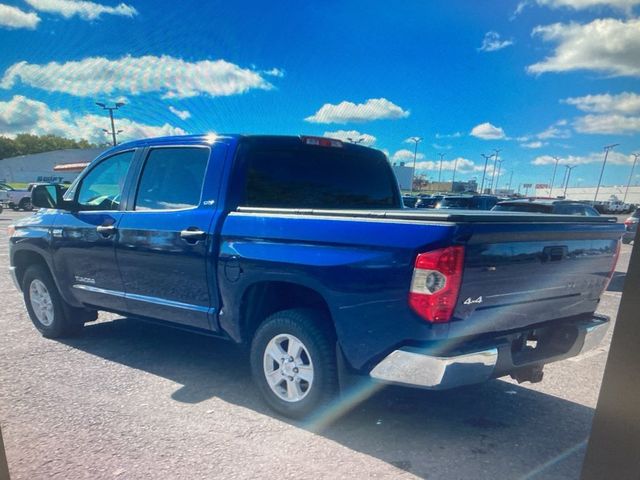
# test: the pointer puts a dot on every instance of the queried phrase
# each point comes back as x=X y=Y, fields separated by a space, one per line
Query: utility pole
x=440 y=172
x=484 y=172
x=415 y=140
x=566 y=185
x=553 y=178
x=635 y=159
x=113 y=127
x=604 y=162
x=453 y=180
x=493 y=173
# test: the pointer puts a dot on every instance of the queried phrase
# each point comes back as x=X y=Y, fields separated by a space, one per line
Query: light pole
x=484 y=172
x=493 y=173
x=415 y=140
x=568 y=177
x=453 y=180
x=553 y=178
x=498 y=176
x=510 y=179
x=604 y=162
x=111 y=109
x=440 y=172
x=355 y=140
x=635 y=159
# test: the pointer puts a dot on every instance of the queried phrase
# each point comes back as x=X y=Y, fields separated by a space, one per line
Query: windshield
x=456 y=202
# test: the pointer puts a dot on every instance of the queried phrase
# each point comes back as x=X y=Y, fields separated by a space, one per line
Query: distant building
x=588 y=193
x=41 y=167
x=404 y=175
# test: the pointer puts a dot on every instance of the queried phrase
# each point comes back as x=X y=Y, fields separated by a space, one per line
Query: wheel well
x=24 y=259
x=265 y=298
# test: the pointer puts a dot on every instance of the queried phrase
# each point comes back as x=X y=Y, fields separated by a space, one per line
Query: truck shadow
x=495 y=430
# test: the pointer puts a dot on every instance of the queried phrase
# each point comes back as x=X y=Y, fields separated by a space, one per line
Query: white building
x=404 y=175
x=39 y=167
x=588 y=193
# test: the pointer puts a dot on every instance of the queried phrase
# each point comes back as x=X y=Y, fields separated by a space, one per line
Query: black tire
x=25 y=204
x=64 y=322
x=311 y=328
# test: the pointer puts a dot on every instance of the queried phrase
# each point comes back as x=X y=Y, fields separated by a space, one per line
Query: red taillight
x=436 y=283
x=322 y=141
x=628 y=222
x=616 y=254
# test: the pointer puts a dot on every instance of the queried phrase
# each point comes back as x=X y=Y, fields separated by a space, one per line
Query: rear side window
x=318 y=177
x=570 y=210
x=172 y=178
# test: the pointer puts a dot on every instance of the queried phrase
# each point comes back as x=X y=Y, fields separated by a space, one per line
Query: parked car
x=631 y=225
x=255 y=239
x=18 y=199
x=557 y=207
x=410 y=201
x=467 y=202
x=427 y=202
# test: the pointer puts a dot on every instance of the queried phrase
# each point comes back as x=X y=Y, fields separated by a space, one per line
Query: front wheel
x=293 y=361
x=25 y=204
x=46 y=308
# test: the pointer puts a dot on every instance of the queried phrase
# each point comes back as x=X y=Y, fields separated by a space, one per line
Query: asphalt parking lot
x=129 y=400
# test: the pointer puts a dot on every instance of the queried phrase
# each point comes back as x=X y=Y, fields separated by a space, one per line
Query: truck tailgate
x=521 y=274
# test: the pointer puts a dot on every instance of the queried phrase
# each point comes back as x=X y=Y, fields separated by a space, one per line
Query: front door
x=164 y=238
x=83 y=240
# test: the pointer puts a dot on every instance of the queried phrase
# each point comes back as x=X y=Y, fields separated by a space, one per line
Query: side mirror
x=48 y=196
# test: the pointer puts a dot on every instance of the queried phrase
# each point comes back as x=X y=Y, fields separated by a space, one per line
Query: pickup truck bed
x=312 y=270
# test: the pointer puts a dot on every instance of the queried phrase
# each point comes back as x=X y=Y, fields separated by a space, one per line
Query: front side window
x=101 y=188
x=172 y=178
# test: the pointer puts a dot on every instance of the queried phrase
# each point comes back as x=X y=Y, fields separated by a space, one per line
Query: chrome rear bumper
x=408 y=366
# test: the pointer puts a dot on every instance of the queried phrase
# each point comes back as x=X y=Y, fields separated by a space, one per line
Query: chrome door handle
x=192 y=235
x=106 y=230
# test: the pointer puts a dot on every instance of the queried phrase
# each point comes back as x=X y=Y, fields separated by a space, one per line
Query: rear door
x=165 y=238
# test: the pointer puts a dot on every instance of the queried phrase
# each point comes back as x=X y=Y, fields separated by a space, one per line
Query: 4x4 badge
x=470 y=301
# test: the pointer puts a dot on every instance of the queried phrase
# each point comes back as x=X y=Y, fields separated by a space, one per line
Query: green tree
x=26 y=144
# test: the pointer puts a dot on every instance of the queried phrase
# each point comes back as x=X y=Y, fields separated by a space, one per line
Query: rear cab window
x=286 y=173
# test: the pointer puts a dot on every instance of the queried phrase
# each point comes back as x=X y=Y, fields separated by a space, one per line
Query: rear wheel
x=293 y=362
x=48 y=311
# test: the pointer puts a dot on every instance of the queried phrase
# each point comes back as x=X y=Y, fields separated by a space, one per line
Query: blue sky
x=536 y=78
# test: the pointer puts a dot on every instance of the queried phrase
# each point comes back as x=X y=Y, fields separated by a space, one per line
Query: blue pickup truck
x=300 y=249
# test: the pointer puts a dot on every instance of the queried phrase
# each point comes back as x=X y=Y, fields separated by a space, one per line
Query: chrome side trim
x=103 y=291
x=168 y=303
x=417 y=369
x=14 y=278
x=145 y=298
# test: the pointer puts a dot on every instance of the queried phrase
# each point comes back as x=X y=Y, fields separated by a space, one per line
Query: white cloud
x=614 y=157
x=448 y=135
x=274 y=72
x=624 y=5
x=554 y=132
x=344 y=112
x=608 y=124
x=536 y=144
x=12 y=17
x=83 y=9
x=487 y=131
x=437 y=146
x=623 y=103
x=170 y=76
x=492 y=42
x=405 y=155
x=605 y=45
x=182 y=114
x=352 y=135
x=24 y=115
